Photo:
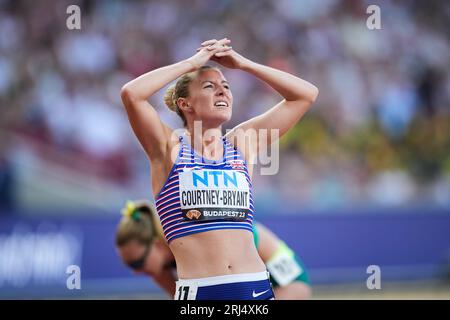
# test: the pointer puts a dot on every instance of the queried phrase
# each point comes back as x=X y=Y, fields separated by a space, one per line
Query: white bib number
x=283 y=267
x=185 y=292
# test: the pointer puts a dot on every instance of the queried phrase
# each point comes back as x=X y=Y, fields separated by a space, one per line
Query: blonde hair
x=181 y=90
x=138 y=223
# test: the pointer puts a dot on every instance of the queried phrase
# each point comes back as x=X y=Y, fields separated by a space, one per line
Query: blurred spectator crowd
x=379 y=134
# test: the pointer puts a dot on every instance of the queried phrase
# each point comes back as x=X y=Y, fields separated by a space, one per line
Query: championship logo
x=191 y=214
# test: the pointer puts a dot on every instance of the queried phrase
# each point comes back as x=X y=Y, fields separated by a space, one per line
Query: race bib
x=283 y=267
x=185 y=292
x=214 y=195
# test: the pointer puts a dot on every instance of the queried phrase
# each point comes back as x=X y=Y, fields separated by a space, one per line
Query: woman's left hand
x=229 y=59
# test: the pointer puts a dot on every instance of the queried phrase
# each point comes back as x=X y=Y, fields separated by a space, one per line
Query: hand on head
x=219 y=51
x=205 y=53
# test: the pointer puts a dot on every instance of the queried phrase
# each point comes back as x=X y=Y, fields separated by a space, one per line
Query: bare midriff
x=216 y=253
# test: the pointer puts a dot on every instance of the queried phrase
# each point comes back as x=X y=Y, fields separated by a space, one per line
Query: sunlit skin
x=159 y=260
x=224 y=251
x=209 y=87
x=206 y=90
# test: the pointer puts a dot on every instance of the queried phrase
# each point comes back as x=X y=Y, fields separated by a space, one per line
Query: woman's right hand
x=204 y=55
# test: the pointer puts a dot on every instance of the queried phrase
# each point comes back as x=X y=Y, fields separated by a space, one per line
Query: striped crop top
x=200 y=194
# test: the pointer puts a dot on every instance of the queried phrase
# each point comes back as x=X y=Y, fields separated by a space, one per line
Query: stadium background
x=364 y=178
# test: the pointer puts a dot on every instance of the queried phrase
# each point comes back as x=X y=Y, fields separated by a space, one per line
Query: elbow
x=129 y=96
x=312 y=97
x=126 y=94
x=308 y=96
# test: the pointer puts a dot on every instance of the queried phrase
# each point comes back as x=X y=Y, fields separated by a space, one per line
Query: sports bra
x=201 y=195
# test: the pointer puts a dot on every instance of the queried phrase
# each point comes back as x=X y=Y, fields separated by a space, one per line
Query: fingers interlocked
x=214 y=44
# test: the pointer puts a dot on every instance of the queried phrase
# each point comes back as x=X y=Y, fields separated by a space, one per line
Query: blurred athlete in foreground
x=142 y=247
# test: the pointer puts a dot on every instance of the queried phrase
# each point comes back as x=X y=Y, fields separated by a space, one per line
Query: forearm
x=166 y=281
x=149 y=83
x=287 y=85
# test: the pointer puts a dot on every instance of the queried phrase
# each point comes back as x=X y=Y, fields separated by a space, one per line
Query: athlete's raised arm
x=151 y=132
x=298 y=94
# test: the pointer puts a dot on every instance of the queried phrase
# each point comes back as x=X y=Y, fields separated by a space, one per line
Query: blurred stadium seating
x=375 y=148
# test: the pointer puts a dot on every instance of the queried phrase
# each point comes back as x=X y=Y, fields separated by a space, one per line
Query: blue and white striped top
x=200 y=194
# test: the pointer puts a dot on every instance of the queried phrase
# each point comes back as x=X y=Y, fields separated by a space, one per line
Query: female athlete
x=202 y=179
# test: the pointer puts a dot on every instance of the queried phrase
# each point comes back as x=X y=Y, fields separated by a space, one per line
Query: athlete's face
x=142 y=259
x=210 y=97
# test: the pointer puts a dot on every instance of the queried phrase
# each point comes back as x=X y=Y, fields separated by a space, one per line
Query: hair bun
x=169 y=99
x=131 y=211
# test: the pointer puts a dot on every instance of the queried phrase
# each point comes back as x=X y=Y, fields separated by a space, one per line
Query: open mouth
x=221 y=104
